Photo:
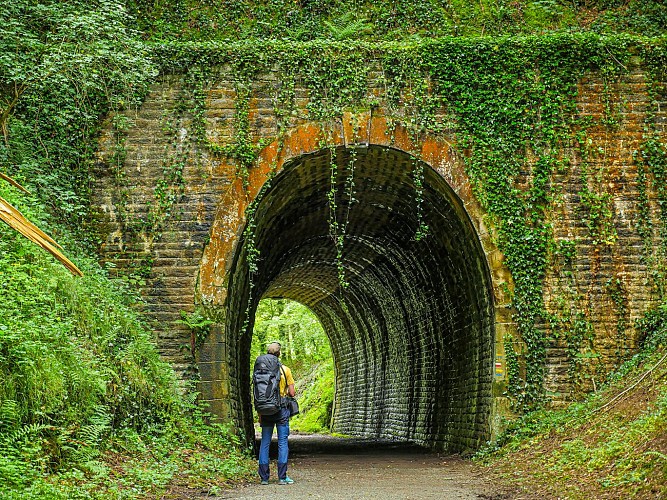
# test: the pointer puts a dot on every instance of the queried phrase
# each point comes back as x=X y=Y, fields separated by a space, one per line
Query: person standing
x=281 y=421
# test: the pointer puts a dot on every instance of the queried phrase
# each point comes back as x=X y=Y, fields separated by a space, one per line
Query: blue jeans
x=282 y=426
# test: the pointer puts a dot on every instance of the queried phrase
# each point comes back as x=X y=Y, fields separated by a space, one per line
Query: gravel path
x=338 y=468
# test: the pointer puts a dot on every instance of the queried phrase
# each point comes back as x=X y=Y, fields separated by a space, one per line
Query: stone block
x=211 y=371
x=415 y=338
x=212 y=352
x=213 y=390
x=221 y=409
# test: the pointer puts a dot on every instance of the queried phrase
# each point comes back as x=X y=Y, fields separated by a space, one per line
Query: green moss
x=510 y=101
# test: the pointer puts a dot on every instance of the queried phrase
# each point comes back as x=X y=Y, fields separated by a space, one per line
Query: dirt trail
x=336 y=468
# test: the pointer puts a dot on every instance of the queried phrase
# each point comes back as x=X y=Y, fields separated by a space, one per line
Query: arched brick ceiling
x=412 y=335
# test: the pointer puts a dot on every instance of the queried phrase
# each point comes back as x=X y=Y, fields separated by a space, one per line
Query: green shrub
x=316 y=399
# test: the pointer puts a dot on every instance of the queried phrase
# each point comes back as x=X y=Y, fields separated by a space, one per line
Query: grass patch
x=316 y=390
x=612 y=445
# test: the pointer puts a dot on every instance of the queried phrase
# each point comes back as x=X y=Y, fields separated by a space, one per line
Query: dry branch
x=616 y=398
x=13 y=182
x=17 y=221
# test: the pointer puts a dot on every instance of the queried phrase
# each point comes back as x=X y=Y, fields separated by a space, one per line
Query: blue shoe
x=287 y=480
x=264 y=481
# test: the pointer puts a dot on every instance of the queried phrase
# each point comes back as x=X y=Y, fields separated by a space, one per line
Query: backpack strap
x=285 y=375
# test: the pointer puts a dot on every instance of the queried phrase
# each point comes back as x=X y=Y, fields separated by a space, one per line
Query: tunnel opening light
x=412 y=331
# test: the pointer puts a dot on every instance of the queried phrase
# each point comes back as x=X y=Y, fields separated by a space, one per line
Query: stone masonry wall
x=162 y=200
x=608 y=274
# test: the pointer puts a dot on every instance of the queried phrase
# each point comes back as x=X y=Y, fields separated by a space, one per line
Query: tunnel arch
x=413 y=334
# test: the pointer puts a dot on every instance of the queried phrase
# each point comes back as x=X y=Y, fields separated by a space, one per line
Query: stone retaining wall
x=419 y=335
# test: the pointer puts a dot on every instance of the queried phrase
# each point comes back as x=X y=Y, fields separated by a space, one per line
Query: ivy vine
x=120 y=125
x=651 y=162
x=510 y=105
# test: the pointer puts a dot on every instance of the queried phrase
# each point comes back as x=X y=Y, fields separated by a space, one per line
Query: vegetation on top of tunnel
x=390 y=19
x=306 y=350
x=611 y=445
x=510 y=102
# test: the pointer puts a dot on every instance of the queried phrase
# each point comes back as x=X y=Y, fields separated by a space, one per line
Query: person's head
x=274 y=348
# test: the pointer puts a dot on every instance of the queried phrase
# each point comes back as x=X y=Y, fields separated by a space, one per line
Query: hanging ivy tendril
x=336 y=200
x=252 y=258
x=418 y=179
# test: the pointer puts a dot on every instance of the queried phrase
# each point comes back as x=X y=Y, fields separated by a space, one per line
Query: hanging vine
x=338 y=228
x=418 y=179
x=252 y=260
x=510 y=104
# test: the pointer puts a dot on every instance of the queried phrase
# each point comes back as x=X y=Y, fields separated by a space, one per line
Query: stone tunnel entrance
x=412 y=334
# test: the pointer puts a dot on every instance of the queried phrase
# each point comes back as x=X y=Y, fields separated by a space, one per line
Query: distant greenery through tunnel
x=306 y=350
x=410 y=319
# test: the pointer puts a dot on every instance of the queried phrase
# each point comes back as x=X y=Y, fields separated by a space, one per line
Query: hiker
x=281 y=420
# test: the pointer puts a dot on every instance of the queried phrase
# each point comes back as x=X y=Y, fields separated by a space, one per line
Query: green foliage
x=339 y=202
x=128 y=464
x=513 y=371
x=347 y=26
x=616 y=449
x=199 y=324
x=647 y=17
x=85 y=345
x=68 y=345
x=390 y=19
x=81 y=376
x=82 y=379
x=653 y=326
x=316 y=397
x=306 y=350
x=63 y=65
x=292 y=324
x=560 y=448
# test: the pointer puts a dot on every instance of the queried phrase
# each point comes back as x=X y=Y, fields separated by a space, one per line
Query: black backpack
x=266 y=384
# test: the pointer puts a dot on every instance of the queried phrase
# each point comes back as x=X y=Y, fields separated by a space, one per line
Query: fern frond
x=190 y=398
x=25 y=432
x=90 y=436
x=99 y=425
x=10 y=415
x=347 y=26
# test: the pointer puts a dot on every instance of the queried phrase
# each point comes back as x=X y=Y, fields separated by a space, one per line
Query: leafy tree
x=63 y=65
x=294 y=326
